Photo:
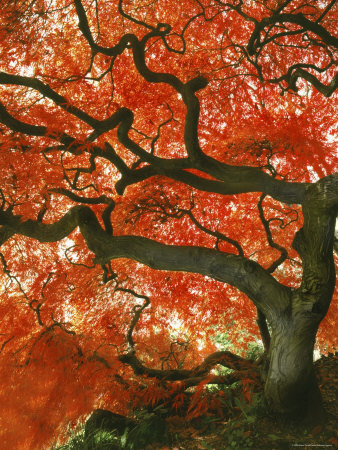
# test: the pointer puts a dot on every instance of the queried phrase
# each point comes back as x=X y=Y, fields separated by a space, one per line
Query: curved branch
x=32 y=130
x=248 y=276
x=226 y=359
x=298 y=19
x=326 y=90
x=234 y=179
x=164 y=208
x=132 y=19
x=187 y=90
x=137 y=310
x=217 y=234
x=272 y=243
x=102 y=199
x=260 y=38
x=47 y=91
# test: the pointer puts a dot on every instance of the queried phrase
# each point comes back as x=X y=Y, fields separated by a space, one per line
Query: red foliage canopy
x=100 y=105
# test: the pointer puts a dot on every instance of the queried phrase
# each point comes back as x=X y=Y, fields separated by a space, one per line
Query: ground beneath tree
x=254 y=429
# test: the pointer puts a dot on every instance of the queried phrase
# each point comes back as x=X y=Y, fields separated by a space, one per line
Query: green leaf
x=238 y=403
x=124 y=437
x=274 y=437
x=205 y=445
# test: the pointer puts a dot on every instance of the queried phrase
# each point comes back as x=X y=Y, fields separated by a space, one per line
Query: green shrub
x=150 y=428
x=95 y=441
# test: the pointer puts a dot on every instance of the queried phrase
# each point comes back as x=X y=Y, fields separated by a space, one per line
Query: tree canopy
x=168 y=173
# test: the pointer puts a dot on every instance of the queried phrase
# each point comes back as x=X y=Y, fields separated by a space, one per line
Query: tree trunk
x=291 y=387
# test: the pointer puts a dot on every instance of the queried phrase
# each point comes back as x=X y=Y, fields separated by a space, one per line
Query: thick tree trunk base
x=308 y=412
x=291 y=387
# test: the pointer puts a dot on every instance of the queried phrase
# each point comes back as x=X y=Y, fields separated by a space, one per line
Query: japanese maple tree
x=168 y=173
